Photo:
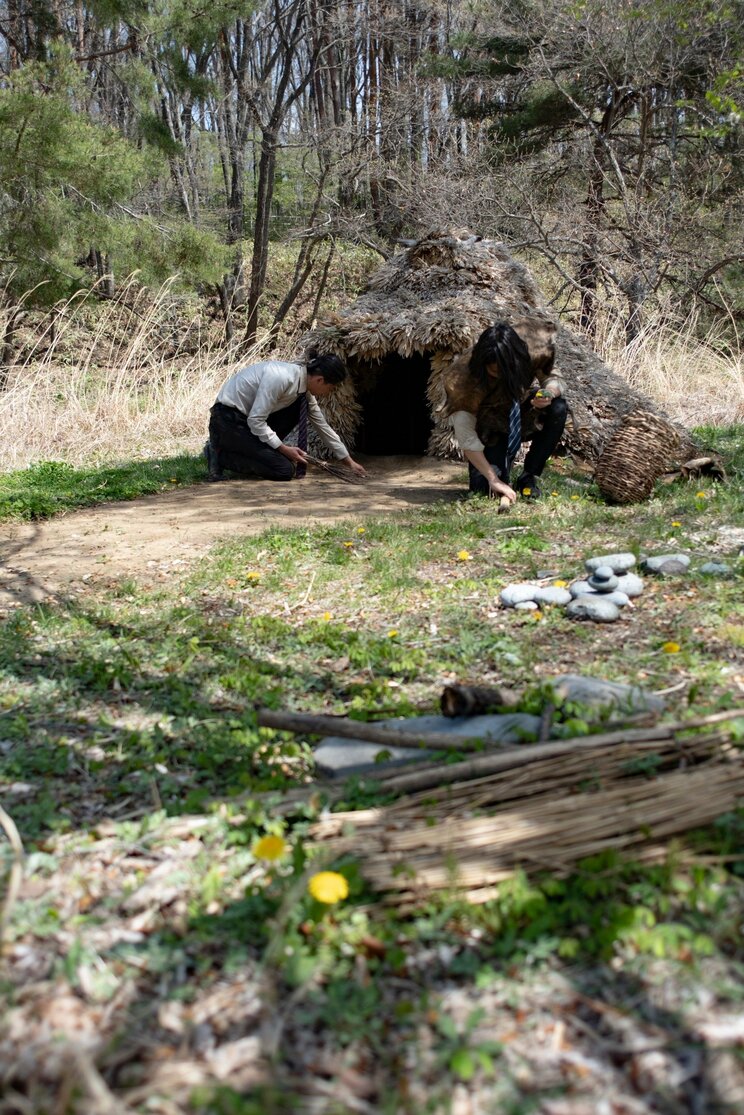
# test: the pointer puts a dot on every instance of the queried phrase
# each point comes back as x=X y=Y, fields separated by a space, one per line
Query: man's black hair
x=330 y=367
x=501 y=345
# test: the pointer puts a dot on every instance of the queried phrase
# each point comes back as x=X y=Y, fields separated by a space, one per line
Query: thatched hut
x=428 y=303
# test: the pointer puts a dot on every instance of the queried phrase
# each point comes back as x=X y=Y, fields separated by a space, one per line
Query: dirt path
x=149 y=538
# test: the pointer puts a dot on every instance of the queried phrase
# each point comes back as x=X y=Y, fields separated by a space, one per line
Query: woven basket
x=635 y=456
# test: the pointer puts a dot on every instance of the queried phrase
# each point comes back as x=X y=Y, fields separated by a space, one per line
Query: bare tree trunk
x=291 y=27
x=15 y=316
x=588 y=274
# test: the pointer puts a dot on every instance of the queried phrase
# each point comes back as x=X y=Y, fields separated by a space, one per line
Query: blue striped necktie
x=515 y=433
x=301 y=468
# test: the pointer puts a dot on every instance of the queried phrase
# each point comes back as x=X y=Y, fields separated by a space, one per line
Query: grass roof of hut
x=437 y=295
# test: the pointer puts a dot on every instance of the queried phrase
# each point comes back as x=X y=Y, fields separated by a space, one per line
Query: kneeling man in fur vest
x=498 y=393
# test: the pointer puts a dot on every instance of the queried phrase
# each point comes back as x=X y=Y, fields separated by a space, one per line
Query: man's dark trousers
x=239 y=450
x=544 y=441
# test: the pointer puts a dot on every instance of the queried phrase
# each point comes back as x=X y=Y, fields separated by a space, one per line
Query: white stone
x=618 y=563
x=515 y=594
x=630 y=583
x=552 y=594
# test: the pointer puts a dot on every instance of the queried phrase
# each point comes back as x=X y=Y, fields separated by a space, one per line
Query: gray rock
x=552 y=594
x=617 y=597
x=581 y=588
x=603 y=579
x=716 y=569
x=631 y=584
x=515 y=594
x=666 y=564
x=337 y=757
x=593 y=607
x=600 y=694
x=525 y=606
x=544 y=574
x=618 y=563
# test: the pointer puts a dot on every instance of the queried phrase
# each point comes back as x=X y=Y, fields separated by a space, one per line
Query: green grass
x=130 y=713
x=152 y=691
x=52 y=487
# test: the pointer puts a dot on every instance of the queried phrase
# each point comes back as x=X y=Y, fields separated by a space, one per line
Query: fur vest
x=490 y=403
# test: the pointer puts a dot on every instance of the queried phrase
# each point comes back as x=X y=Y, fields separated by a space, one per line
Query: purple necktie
x=301 y=469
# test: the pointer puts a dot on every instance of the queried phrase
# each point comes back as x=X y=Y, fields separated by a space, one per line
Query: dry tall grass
x=698 y=379
x=135 y=378
x=116 y=381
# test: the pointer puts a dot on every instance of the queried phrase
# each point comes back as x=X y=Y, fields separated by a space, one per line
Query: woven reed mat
x=635 y=456
x=470 y=836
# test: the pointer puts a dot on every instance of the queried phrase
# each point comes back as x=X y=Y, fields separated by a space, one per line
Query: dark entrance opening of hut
x=395 y=410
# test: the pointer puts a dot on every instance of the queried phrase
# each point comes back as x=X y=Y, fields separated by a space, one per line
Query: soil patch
x=153 y=536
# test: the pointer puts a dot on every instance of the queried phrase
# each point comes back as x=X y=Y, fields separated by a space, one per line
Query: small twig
x=546 y=723
x=104 y=1101
x=339 y=471
x=306 y=597
x=670 y=689
x=16 y=872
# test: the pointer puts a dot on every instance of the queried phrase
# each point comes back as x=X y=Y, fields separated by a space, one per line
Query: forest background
x=186 y=184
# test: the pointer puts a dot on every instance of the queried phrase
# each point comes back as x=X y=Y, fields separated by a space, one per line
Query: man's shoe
x=527 y=486
x=214 y=472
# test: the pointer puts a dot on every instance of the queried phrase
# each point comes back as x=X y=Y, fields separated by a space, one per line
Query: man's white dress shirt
x=259 y=390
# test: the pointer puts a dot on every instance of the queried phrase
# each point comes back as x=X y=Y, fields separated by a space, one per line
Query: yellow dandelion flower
x=554 y=493
x=391 y=634
x=326 y=616
x=270 y=848
x=361 y=530
x=537 y=614
x=463 y=555
x=174 y=479
x=671 y=648
x=252 y=575
x=560 y=584
x=700 y=495
x=676 y=524
x=348 y=544
x=575 y=497
x=526 y=491
x=328 y=887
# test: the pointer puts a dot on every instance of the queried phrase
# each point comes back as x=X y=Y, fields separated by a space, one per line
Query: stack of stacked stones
x=607 y=589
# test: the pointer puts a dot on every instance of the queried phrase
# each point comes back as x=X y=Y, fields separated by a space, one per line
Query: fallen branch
x=505 y=758
x=514 y=757
x=359 y=729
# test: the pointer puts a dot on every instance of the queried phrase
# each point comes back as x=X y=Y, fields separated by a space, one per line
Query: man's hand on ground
x=498 y=489
x=293 y=453
x=355 y=468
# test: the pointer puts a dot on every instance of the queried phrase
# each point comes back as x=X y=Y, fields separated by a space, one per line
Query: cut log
x=472 y=700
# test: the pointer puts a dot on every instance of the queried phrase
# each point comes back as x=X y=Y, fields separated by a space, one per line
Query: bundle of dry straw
x=547 y=814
